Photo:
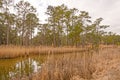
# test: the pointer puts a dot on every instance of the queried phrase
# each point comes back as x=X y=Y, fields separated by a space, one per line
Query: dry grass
x=104 y=65
x=88 y=65
x=17 y=51
x=66 y=67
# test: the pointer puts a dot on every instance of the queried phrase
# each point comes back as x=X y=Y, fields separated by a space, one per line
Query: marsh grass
x=86 y=65
x=67 y=66
x=81 y=66
x=19 y=51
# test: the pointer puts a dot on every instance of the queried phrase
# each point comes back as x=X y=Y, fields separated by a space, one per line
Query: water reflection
x=21 y=67
x=18 y=67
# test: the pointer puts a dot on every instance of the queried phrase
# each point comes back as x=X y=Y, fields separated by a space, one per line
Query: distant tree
x=64 y=26
x=31 y=23
x=6 y=4
x=96 y=32
x=56 y=22
x=23 y=9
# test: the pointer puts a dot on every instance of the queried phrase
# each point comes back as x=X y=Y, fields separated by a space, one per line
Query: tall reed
x=18 y=51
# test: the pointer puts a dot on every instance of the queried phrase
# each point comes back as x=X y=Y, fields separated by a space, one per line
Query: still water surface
x=20 y=67
x=25 y=66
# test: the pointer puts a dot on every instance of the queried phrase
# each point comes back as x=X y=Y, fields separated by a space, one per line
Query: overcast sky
x=107 y=9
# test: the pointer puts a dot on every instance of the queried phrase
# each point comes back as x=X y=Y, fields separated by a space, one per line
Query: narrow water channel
x=19 y=67
x=25 y=66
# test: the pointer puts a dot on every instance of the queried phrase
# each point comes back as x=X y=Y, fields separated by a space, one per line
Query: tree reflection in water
x=18 y=68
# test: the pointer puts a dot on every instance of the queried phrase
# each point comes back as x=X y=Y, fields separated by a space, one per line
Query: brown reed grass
x=18 y=51
x=81 y=66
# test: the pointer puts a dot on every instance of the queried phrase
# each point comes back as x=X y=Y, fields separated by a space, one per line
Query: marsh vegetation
x=87 y=65
x=68 y=45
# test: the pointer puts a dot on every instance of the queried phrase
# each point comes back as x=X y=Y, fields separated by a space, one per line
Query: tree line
x=63 y=27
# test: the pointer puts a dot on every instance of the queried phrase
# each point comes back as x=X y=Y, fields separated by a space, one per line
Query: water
x=25 y=66
x=10 y=68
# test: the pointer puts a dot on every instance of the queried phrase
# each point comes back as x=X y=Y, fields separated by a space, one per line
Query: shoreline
x=9 y=52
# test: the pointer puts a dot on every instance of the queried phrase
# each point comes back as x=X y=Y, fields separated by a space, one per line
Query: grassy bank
x=18 y=51
x=104 y=65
